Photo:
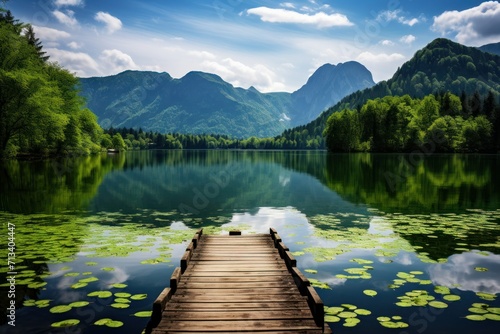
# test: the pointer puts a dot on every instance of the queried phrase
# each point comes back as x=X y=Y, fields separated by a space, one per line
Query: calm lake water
x=415 y=240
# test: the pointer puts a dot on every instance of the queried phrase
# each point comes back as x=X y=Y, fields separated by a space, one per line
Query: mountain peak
x=330 y=83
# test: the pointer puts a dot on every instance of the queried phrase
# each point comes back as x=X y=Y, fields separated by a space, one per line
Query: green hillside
x=441 y=66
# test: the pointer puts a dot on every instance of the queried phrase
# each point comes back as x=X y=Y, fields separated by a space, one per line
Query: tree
x=40 y=109
x=118 y=142
x=35 y=43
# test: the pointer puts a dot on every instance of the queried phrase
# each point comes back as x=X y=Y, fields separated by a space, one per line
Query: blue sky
x=271 y=45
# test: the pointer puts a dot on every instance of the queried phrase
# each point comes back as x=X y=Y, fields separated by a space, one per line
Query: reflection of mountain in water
x=215 y=183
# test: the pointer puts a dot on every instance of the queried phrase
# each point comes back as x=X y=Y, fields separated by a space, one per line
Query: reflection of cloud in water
x=117 y=276
x=404 y=259
x=460 y=270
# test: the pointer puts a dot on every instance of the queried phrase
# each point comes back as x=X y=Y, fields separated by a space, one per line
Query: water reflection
x=460 y=272
x=395 y=183
x=53 y=186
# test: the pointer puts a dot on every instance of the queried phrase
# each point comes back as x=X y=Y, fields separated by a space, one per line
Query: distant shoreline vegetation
x=43 y=115
x=466 y=124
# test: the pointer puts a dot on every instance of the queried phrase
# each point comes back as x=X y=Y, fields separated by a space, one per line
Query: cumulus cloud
x=74 y=45
x=61 y=3
x=396 y=15
x=241 y=75
x=112 y=23
x=382 y=65
x=407 y=39
x=202 y=54
x=321 y=19
x=477 y=25
x=80 y=63
x=386 y=42
x=48 y=34
x=67 y=17
x=117 y=61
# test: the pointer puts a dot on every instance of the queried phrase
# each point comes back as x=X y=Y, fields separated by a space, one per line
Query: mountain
x=321 y=92
x=491 y=48
x=440 y=66
x=204 y=103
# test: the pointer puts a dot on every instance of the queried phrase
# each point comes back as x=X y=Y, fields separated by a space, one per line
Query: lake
x=404 y=241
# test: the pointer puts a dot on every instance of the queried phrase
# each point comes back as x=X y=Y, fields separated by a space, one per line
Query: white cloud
x=395 y=15
x=80 y=63
x=61 y=3
x=321 y=19
x=386 y=42
x=117 y=61
x=382 y=65
x=478 y=25
x=241 y=75
x=75 y=45
x=66 y=18
x=410 y=22
x=202 y=54
x=112 y=23
x=287 y=5
x=48 y=34
x=407 y=39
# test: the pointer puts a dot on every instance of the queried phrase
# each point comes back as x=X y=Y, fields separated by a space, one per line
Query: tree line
x=403 y=124
x=41 y=112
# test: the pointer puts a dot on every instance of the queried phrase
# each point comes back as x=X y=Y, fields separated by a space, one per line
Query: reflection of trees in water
x=393 y=183
x=49 y=186
x=53 y=186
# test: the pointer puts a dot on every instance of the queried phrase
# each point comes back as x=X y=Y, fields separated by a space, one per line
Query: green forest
x=403 y=124
x=41 y=112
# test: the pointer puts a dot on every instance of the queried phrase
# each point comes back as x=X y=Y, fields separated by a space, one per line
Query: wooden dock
x=238 y=283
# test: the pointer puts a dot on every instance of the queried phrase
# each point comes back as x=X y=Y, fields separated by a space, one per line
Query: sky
x=270 y=45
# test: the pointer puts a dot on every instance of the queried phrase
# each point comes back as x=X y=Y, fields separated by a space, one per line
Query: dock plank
x=238 y=283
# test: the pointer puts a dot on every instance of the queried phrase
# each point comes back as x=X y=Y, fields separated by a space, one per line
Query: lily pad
x=65 y=323
x=491 y=316
x=362 y=311
x=495 y=310
x=480 y=269
x=122 y=295
x=370 y=293
x=120 y=305
x=475 y=317
x=109 y=322
x=79 y=304
x=438 y=304
x=119 y=285
x=88 y=280
x=143 y=314
x=331 y=318
x=347 y=314
x=140 y=296
x=451 y=298
x=311 y=271
x=100 y=294
x=122 y=300
x=60 y=309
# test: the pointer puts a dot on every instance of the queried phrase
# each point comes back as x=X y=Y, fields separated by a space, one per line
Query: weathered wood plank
x=238 y=283
x=216 y=326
